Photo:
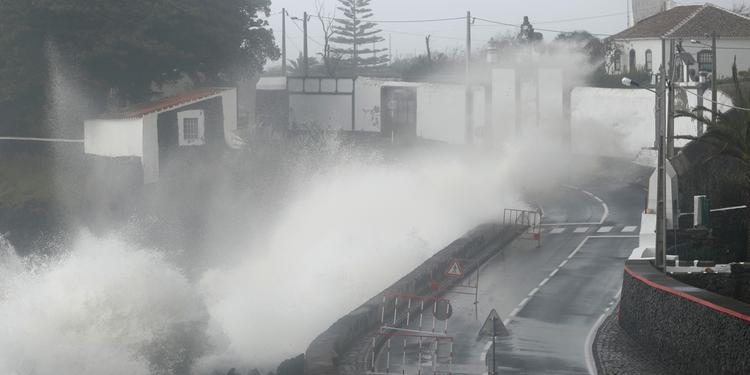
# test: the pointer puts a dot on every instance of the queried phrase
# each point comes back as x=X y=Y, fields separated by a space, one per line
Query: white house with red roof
x=155 y=133
x=639 y=48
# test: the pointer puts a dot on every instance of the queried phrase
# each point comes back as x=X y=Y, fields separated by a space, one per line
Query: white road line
x=552 y=274
x=568 y=224
x=546 y=279
x=60 y=140
x=629 y=229
x=563 y=263
x=604 y=230
x=506 y=322
x=581 y=230
x=588 y=345
x=524 y=302
x=592 y=195
x=533 y=291
x=557 y=231
x=514 y=312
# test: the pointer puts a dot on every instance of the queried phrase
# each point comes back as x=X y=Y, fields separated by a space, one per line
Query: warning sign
x=493 y=326
x=455 y=269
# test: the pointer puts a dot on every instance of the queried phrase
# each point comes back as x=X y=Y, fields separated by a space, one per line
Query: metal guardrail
x=532 y=220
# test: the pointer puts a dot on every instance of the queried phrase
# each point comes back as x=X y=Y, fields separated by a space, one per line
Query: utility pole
x=661 y=214
x=469 y=95
x=670 y=101
x=494 y=333
x=714 y=77
x=283 y=41
x=305 y=63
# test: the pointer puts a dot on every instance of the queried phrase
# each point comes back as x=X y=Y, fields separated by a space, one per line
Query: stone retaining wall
x=339 y=350
x=692 y=331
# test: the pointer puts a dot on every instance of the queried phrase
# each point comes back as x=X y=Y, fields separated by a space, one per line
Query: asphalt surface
x=550 y=297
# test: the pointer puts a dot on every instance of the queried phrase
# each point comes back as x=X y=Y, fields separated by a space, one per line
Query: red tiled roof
x=690 y=21
x=168 y=103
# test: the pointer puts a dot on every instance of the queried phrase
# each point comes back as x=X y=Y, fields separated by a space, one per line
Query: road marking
x=546 y=279
x=524 y=302
x=629 y=229
x=557 y=231
x=581 y=230
x=563 y=264
x=604 y=230
x=605 y=207
x=552 y=274
x=514 y=312
x=533 y=291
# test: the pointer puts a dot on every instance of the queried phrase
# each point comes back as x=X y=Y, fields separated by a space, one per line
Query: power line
x=717 y=103
x=308 y=36
x=536 y=28
x=582 y=18
x=401 y=21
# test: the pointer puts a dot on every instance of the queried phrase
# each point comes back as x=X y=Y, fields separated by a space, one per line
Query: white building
x=192 y=124
x=639 y=48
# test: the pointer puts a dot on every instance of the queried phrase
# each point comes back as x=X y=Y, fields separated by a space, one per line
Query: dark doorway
x=399 y=112
x=631 y=62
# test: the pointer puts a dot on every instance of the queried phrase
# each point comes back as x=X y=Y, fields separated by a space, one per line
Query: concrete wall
x=692 y=331
x=113 y=138
x=342 y=348
x=331 y=112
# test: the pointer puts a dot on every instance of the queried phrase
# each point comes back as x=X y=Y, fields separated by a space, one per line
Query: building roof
x=169 y=103
x=271 y=83
x=689 y=21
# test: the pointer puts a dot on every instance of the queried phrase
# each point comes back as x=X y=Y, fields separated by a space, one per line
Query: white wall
x=620 y=122
x=229 y=108
x=331 y=112
x=551 y=113
x=113 y=137
x=367 y=105
x=727 y=49
x=150 y=160
x=503 y=107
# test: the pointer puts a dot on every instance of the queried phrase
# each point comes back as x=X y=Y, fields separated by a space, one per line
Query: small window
x=617 y=57
x=705 y=61
x=190 y=129
x=190 y=126
x=649 y=61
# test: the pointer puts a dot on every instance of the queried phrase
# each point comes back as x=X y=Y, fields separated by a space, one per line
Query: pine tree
x=356 y=37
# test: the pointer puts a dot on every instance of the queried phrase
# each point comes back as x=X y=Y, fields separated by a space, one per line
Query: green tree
x=729 y=137
x=130 y=45
x=357 y=37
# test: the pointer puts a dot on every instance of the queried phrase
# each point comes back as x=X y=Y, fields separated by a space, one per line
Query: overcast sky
x=600 y=17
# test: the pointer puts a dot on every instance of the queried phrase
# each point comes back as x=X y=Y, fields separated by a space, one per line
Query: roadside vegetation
x=720 y=169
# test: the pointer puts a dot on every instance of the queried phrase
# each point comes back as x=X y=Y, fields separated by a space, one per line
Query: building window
x=704 y=61
x=649 y=61
x=617 y=57
x=190 y=128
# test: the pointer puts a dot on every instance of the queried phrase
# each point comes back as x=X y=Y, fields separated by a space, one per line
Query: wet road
x=550 y=297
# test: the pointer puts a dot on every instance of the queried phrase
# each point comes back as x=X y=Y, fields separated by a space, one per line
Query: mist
x=318 y=232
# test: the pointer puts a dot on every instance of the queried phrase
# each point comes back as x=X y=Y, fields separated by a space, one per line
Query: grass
x=24 y=178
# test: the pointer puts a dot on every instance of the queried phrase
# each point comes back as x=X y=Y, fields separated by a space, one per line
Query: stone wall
x=340 y=348
x=690 y=330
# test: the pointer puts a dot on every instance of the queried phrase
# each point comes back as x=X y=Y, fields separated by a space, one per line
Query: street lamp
x=661 y=214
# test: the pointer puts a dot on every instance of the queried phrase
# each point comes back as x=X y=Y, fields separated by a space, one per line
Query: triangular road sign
x=493 y=324
x=455 y=269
